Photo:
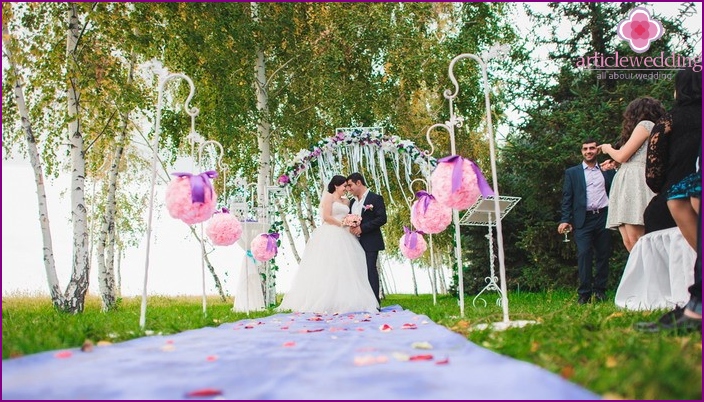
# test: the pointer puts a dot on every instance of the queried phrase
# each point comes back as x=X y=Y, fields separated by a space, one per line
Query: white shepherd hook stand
x=456 y=121
x=164 y=77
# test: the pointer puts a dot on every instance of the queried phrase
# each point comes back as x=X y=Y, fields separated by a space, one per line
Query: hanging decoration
x=366 y=147
x=412 y=243
x=429 y=215
x=191 y=198
x=458 y=182
x=224 y=229
x=265 y=246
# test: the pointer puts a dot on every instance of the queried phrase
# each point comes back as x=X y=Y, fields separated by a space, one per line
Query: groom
x=371 y=208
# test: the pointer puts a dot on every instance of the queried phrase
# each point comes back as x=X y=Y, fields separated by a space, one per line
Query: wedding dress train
x=332 y=275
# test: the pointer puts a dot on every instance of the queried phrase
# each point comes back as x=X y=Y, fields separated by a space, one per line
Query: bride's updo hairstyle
x=336 y=180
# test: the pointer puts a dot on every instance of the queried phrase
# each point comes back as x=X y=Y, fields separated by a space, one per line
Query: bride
x=332 y=275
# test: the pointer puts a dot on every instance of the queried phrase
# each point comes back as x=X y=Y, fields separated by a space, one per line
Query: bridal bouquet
x=352 y=220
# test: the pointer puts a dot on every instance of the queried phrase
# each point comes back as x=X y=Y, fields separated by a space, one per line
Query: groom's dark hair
x=336 y=181
x=355 y=177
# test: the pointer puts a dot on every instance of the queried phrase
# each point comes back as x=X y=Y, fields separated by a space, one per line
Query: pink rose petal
x=63 y=354
x=204 y=392
x=421 y=357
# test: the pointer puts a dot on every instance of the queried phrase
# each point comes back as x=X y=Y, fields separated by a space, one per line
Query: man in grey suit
x=585 y=204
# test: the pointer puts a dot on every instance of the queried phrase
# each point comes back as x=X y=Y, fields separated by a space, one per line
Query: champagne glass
x=566 y=232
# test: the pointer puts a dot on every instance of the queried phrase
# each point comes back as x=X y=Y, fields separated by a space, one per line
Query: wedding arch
x=380 y=157
x=354 y=149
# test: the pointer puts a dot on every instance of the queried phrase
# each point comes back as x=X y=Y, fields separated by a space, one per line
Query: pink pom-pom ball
x=434 y=220
x=465 y=195
x=224 y=229
x=259 y=248
x=413 y=253
x=181 y=206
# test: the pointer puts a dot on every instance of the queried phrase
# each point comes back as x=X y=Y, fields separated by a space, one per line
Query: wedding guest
x=629 y=193
x=673 y=147
x=675 y=144
x=585 y=204
x=659 y=268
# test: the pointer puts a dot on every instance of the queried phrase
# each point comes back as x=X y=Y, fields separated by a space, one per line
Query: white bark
x=415 y=281
x=289 y=233
x=106 y=261
x=263 y=126
x=35 y=161
x=263 y=135
x=78 y=286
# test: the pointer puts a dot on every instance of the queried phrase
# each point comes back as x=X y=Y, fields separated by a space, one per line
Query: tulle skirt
x=332 y=276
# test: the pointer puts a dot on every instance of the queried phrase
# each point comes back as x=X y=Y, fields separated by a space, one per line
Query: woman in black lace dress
x=673 y=147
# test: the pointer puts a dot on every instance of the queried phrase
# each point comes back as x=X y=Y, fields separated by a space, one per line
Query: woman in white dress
x=629 y=193
x=332 y=275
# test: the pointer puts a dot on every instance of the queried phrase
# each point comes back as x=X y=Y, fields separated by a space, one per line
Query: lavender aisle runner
x=394 y=354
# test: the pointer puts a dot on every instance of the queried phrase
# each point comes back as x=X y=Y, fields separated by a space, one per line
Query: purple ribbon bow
x=199 y=183
x=411 y=239
x=484 y=187
x=424 y=198
x=271 y=240
x=456 y=161
x=224 y=211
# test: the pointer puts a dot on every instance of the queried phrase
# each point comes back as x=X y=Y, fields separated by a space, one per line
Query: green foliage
x=561 y=105
x=32 y=325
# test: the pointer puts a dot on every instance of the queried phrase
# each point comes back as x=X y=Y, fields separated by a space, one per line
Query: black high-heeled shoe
x=681 y=324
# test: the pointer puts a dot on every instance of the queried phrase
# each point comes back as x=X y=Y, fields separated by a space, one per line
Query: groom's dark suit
x=373 y=218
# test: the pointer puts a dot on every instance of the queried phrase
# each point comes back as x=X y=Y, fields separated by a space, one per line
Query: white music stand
x=482 y=214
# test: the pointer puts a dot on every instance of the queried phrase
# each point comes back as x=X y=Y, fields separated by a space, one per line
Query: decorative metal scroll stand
x=164 y=77
x=434 y=275
x=449 y=126
x=482 y=214
x=456 y=121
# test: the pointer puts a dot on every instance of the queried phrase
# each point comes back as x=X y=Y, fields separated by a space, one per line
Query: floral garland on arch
x=359 y=146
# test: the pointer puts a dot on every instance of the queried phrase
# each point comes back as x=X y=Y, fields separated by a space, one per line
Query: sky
x=175 y=258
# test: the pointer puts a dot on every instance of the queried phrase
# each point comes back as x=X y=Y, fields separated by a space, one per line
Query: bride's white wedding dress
x=332 y=276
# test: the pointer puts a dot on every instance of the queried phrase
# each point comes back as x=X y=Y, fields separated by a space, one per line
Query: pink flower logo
x=639 y=30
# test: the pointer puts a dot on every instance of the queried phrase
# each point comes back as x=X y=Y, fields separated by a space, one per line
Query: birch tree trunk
x=263 y=125
x=34 y=159
x=78 y=286
x=106 y=262
x=289 y=233
x=263 y=137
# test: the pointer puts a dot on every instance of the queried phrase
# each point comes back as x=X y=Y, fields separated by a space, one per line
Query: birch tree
x=85 y=69
x=34 y=158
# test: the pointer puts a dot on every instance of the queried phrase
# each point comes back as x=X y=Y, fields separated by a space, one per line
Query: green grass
x=593 y=345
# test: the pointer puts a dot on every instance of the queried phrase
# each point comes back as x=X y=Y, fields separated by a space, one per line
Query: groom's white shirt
x=359 y=204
